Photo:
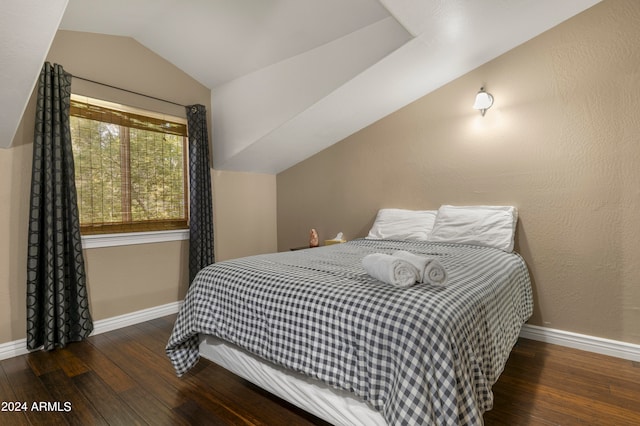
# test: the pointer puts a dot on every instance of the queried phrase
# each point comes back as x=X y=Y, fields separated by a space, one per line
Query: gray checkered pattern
x=419 y=355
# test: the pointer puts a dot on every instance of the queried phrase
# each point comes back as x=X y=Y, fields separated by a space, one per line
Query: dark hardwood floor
x=124 y=378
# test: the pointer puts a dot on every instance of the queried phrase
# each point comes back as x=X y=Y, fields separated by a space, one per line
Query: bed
x=312 y=327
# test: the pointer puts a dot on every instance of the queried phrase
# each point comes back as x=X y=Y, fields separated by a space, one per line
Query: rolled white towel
x=391 y=270
x=430 y=270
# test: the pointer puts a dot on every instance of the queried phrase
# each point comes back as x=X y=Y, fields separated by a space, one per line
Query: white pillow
x=492 y=226
x=399 y=224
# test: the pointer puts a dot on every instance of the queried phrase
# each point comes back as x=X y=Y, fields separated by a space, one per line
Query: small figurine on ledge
x=313 y=238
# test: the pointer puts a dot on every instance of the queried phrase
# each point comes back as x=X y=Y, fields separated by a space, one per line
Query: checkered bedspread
x=420 y=355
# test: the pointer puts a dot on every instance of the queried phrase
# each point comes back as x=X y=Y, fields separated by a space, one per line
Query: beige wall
x=562 y=143
x=245 y=211
x=128 y=278
x=15 y=178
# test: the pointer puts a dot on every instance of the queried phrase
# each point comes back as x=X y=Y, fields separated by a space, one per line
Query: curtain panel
x=57 y=302
x=201 y=251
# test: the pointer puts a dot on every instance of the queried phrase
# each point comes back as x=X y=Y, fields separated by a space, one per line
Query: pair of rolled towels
x=404 y=269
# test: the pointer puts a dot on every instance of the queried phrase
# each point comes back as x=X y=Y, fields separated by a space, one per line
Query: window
x=130 y=168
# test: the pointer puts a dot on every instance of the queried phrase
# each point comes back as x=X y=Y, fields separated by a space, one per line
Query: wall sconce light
x=483 y=101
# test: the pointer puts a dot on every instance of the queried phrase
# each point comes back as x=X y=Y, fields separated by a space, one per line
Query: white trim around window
x=132 y=238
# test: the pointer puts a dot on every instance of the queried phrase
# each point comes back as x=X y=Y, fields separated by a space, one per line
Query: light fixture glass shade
x=483 y=101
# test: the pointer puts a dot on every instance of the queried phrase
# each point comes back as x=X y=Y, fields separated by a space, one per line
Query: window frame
x=132 y=238
x=140 y=232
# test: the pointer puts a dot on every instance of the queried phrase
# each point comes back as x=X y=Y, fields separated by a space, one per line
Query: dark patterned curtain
x=200 y=201
x=57 y=303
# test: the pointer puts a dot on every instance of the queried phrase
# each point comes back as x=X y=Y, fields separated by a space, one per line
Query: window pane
x=128 y=178
x=157 y=176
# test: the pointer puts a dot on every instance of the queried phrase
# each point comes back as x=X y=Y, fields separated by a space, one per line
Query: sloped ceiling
x=27 y=28
x=290 y=77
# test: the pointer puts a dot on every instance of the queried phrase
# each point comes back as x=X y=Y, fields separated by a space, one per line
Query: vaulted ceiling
x=288 y=77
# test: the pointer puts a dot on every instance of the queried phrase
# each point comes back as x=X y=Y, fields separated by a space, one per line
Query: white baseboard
x=557 y=337
x=121 y=321
x=583 y=342
x=11 y=349
x=19 y=347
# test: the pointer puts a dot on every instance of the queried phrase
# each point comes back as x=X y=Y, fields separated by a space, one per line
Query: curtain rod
x=127 y=90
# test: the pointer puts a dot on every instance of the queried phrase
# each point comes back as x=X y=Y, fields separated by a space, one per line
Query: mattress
x=336 y=406
x=423 y=354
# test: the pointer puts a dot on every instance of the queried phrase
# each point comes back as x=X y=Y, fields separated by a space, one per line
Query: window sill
x=133 y=238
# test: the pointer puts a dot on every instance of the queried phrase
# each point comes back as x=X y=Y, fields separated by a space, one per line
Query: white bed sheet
x=333 y=405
